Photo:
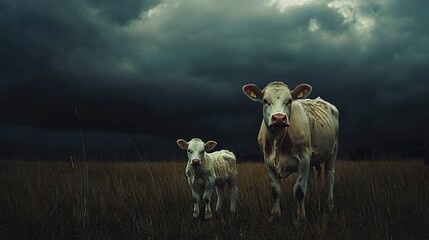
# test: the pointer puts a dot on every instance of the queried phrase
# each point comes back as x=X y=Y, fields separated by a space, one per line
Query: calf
x=208 y=170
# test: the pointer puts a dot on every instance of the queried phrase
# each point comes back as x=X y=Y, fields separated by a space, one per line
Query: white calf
x=207 y=170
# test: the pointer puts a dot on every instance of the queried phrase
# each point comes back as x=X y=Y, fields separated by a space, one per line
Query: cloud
x=121 y=12
x=175 y=68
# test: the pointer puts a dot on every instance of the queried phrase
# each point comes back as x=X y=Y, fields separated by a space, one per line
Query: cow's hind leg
x=232 y=186
x=329 y=177
x=276 y=189
x=220 y=190
x=309 y=184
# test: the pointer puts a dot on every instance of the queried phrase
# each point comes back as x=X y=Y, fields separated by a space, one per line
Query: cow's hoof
x=300 y=223
x=220 y=218
x=275 y=215
x=330 y=204
x=274 y=218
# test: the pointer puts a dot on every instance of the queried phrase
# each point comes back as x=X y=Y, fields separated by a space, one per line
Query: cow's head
x=277 y=100
x=196 y=149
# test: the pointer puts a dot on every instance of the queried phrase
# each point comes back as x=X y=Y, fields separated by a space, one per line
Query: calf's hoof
x=208 y=215
x=331 y=204
x=232 y=209
x=274 y=218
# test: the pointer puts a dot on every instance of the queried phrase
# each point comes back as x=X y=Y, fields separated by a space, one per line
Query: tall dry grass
x=120 y=200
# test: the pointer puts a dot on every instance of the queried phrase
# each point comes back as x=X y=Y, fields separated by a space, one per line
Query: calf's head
x=277 y=101
x=196 y=149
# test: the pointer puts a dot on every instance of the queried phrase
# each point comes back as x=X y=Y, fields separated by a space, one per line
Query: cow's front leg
x=207 y=197
x=276 y=190
x=300 y=187
x=196 y=197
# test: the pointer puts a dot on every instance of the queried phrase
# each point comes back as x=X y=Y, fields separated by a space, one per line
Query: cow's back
x=324 y=127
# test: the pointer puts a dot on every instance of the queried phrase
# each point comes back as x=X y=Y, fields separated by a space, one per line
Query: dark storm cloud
x=124 y=11
x=175 y=68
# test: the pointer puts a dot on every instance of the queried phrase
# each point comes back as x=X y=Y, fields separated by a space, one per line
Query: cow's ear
x=182 y=144
x=209 y=145
x=253 y=92
x=301 y=91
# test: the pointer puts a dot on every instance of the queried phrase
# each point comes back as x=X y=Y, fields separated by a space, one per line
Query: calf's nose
x=196 y=162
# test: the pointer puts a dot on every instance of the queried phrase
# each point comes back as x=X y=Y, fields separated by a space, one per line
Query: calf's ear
x=182 y=144
x=253 y=92
x=301 y=91
x=209 y=145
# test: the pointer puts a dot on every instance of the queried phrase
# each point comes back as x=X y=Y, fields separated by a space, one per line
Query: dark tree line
x=421 y=150
x=359 y=154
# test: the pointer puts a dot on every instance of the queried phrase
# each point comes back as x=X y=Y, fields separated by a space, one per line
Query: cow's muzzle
x=196 y=162
x=279 y=120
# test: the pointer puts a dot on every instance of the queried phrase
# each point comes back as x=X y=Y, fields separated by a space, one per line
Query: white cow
x=207 y=170
x=296 y=135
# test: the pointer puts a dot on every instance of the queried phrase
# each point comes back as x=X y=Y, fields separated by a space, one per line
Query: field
x=141 y=200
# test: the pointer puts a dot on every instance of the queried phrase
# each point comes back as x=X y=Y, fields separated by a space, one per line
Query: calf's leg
x=207 y=197
x=220 y=190
x=196 y=197
x=232 y=186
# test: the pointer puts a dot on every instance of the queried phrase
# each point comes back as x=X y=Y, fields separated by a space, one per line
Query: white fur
x=309 y=140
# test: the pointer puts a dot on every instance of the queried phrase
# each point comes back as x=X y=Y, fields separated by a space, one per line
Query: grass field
x=120 y=200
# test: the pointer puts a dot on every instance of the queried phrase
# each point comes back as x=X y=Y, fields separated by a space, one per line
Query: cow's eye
x=265 y=101
x=189 y=151
x=288 y=103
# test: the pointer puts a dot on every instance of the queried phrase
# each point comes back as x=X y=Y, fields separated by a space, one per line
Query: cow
x=208 y=170
x=296 y=134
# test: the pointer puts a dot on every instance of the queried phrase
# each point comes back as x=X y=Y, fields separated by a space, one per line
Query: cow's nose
x=279 y=119
x=196 y=162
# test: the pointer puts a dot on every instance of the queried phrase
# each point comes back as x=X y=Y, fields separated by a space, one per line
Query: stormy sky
x=141 y=74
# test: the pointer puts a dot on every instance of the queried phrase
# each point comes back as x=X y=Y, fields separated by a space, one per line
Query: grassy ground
x=96 y=200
